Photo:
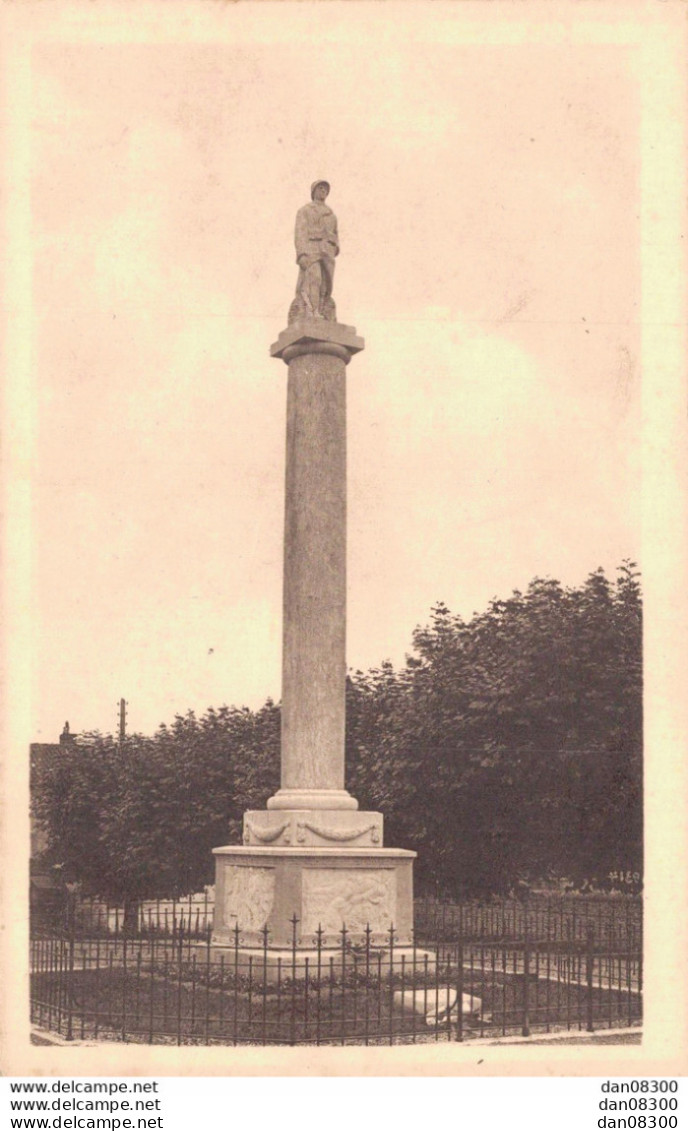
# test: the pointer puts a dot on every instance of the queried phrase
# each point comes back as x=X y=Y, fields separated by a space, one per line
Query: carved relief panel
x=357 y=897
x=249 y=896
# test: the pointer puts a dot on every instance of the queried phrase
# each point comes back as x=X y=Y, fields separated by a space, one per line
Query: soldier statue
x=317 y=244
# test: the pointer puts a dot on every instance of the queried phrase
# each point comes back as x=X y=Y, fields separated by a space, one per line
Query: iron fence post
x=391 y=983
x=292 y=1017
x=589 y=967
x=629 y=985
x=459 y=989
x=151 y=991
x=366 y=1020
x=235 y=986
x=71 y=928
x=525 y=1031
x=318 y=946
x=264 y=998
x=179 y=983
x=124 y=986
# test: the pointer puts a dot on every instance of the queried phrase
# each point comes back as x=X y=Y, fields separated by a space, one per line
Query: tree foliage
x=507 y=747
x=510 y=746
x=141 y=821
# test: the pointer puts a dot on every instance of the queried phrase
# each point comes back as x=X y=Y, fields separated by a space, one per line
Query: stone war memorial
x=311 y=863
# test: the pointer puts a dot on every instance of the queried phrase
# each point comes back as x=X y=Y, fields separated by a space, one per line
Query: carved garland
x=328 y=833
x=265 y=836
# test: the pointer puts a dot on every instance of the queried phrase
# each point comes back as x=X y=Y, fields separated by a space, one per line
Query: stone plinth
x=324 y=888
x=276 y=964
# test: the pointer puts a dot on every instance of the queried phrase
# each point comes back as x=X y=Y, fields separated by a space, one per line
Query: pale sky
x=488 y=208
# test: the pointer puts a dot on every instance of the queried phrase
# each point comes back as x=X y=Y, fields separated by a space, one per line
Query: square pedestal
x=324 y=889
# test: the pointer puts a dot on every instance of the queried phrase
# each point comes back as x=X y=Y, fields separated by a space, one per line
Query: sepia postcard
x=344 y=524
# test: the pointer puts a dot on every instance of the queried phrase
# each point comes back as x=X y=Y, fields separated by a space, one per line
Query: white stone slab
x=437 y=1005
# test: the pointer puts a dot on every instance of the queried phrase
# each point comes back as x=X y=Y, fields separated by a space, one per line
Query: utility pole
x=122 y=723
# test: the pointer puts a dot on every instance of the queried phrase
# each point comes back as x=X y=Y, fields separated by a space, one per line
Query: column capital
x=316 y=335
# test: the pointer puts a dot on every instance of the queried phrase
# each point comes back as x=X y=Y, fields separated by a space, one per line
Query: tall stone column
x=314 y=625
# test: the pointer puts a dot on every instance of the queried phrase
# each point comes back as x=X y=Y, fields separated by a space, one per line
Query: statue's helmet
x=315 y=185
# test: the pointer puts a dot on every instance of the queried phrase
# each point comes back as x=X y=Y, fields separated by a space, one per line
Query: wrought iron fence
x=169 y=985
x=617 y=920
x=90 y=917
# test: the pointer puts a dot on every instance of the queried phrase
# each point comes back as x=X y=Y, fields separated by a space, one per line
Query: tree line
x=506 y=749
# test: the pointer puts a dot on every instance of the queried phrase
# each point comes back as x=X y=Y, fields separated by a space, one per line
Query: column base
x=312 y=799
x=326 y=828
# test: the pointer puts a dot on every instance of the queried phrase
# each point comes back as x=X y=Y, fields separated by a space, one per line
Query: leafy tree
x=141 y=821
x=510 y=746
